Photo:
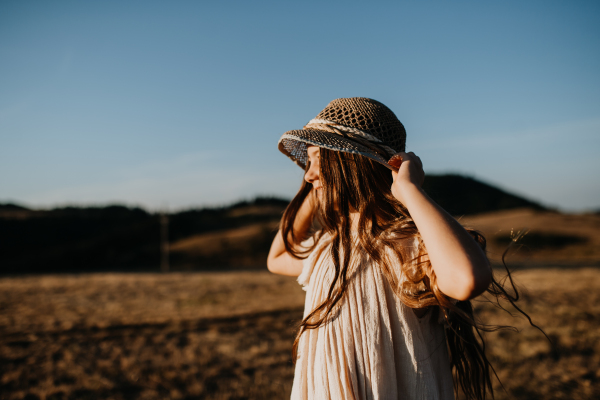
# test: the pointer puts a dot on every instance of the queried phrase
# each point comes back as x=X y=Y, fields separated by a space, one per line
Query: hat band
x=356 y=134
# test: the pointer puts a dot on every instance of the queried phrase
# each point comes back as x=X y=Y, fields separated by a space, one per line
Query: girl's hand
x=460 y=265
x=410 y=173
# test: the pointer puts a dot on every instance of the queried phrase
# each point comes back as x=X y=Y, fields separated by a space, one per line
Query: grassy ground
x=229 y=336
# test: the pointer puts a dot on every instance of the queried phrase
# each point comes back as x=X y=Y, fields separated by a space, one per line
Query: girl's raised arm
x=460 y=265
x=279 y=260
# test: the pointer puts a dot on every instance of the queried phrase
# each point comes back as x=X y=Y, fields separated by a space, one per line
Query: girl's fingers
x=418 y=159
x=414 y=171
x=397 y=159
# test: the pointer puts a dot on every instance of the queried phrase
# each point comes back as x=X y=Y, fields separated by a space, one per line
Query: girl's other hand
x=410 y=173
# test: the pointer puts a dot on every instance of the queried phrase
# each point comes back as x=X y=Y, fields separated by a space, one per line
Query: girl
x=388 y=273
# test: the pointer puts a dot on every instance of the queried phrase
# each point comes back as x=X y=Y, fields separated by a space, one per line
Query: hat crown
x=369 y=116
x=355 y=125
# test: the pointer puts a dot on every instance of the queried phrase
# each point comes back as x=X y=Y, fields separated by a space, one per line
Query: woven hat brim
x=294 y=143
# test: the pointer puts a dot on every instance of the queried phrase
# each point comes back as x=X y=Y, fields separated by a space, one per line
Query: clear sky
x=181 y=103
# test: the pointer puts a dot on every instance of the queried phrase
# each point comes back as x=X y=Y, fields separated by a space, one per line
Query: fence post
x=164 y=241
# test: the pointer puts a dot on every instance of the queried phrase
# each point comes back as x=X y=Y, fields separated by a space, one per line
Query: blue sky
x=181 y=104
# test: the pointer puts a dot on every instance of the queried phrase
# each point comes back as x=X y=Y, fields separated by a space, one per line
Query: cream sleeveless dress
x=375 y=347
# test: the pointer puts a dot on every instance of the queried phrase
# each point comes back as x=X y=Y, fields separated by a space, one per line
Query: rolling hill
x=118 y=238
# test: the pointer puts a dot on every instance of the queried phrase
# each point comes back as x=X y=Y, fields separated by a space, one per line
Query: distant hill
x=84 y=239
x=12 y=207
x=74 y=239
x=460 y=195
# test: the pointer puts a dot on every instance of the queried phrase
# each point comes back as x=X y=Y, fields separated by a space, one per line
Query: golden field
x=228 y=335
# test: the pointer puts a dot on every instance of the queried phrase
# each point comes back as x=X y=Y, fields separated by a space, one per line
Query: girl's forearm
x=279 y=260
x=302 y=224
x=460 y=265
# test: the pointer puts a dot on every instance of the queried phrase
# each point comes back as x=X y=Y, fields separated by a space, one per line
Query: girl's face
x=312 y=175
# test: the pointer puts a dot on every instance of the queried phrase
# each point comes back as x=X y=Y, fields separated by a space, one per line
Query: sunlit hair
x=353 y=183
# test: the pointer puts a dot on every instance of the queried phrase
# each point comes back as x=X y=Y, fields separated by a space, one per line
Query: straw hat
x=354 y=125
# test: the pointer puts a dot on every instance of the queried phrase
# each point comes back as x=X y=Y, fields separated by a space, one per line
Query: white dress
x=375 y=347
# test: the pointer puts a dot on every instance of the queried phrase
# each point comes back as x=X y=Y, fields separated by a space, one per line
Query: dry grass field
x=147 y=336
x=228 y=335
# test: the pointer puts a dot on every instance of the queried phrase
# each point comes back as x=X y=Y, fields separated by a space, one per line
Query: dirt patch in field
x=229 y=336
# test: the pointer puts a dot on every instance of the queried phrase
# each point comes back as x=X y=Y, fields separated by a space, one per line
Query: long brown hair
x=353 y=183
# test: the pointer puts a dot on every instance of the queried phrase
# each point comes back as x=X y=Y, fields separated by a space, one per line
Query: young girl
x=388 y=273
